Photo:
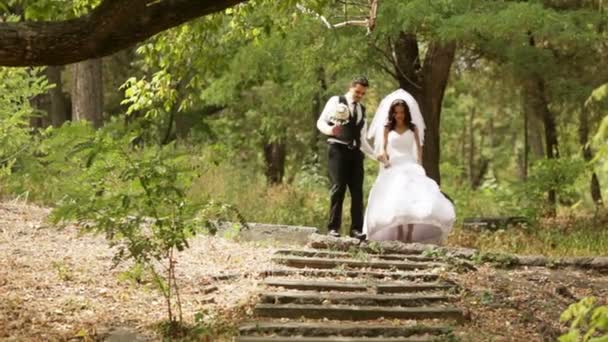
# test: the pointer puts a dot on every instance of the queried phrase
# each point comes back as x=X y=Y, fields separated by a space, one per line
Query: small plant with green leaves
x=138 y=199
x=358 y=254
x=497 y=259
x=375 y=247
x=588 y=322
x=135 y=275
x=63 y=271
x=486 y=298
x=434 y=252
x=232 y=231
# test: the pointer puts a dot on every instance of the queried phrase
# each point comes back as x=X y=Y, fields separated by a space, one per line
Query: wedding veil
x=376 y=129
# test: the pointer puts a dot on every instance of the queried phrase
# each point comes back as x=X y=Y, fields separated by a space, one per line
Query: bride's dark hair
x=392 y=122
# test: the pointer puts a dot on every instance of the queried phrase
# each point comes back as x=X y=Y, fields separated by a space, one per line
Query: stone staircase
x=324 y=295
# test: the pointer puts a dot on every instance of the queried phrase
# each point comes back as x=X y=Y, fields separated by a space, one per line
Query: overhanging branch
x=112 y=26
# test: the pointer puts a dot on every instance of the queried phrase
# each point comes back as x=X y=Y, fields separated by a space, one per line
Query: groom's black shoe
x=358 y=235
x=333 y=233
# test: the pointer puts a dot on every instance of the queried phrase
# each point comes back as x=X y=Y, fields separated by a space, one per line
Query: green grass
x=305 y=202
x=583 y=235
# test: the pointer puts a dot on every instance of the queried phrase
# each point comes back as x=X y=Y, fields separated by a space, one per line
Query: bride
x=404 y=204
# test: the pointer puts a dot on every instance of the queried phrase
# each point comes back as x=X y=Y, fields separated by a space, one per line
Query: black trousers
x=345 y=171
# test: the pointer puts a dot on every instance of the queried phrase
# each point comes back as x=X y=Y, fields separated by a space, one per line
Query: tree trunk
x=42 y=103
x=471 y=158
x=583 y=134
x=317 y=108
x=526 y=156
x=483 y=164
x=535 y=135
x=537 y=103
x=274 y=156
x=87 y=92
x=427 y=83
x=463 y=152
x=59 y=111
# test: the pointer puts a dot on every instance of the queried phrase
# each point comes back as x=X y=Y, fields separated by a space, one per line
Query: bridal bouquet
x=341 y=115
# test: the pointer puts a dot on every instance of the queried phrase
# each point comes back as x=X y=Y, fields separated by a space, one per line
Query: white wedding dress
x=402 y=194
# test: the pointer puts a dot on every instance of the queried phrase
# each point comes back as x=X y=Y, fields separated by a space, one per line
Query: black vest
x=351 y=131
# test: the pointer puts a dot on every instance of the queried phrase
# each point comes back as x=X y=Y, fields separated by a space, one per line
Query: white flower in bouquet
x=341 y=115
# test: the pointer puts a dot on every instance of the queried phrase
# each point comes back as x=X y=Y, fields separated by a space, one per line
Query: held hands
x=384 y=159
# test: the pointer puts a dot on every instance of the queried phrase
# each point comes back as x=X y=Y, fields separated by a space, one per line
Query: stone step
x=378 y=287
x=318 y=298
x=353 y=274
x=334 y=254
x=336 y=262
x=356 y=313
x=344 y=329
x=333 y=339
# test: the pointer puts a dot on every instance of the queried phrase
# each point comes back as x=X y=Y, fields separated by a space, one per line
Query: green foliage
x=63 y=271
x=136 y=274
x=302 y=203
x=529 y=198
x=600 y=139
x=434 y=252
x=17 y=87
x=574 y=233
x=123 y=190
x=138 y=198
x=50 y=167
x=588 y=322
x=497 y=259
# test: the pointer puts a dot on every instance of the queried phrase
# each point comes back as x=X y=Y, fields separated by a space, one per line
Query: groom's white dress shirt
x=325 y=128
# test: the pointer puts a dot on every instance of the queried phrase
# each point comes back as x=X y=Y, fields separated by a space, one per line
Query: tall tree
x=87 y=92
x=588 y=154
x=60 y=110
x=426 y=81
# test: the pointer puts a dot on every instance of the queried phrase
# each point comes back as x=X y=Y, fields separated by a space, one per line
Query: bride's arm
x=384 y=157
x=418 y=147
x=385 y=141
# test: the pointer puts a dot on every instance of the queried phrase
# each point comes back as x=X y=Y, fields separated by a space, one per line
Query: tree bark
x=427 y=83
x=536 y=143
x=317 y=108
x=463 y=152
x=274 y=156
x=60 y=111
x=483 y=164
x=526 y=155
x=110 y=27
x=536 y=102
x=583 y=135
x=471 y=156
x=43 y=105
x=87 y=92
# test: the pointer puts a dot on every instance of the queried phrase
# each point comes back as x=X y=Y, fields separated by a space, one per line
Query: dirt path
x=57 y=285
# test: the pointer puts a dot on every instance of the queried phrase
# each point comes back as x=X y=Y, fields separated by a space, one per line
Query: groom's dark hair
x=362 y=80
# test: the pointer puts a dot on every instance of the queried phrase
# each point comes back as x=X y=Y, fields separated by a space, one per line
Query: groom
x=343 y=121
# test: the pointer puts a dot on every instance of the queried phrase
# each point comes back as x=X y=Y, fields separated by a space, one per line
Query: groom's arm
x=365 y=147
x=323 y=122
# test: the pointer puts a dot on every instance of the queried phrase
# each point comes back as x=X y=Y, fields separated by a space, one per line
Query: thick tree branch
x=112 y=26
